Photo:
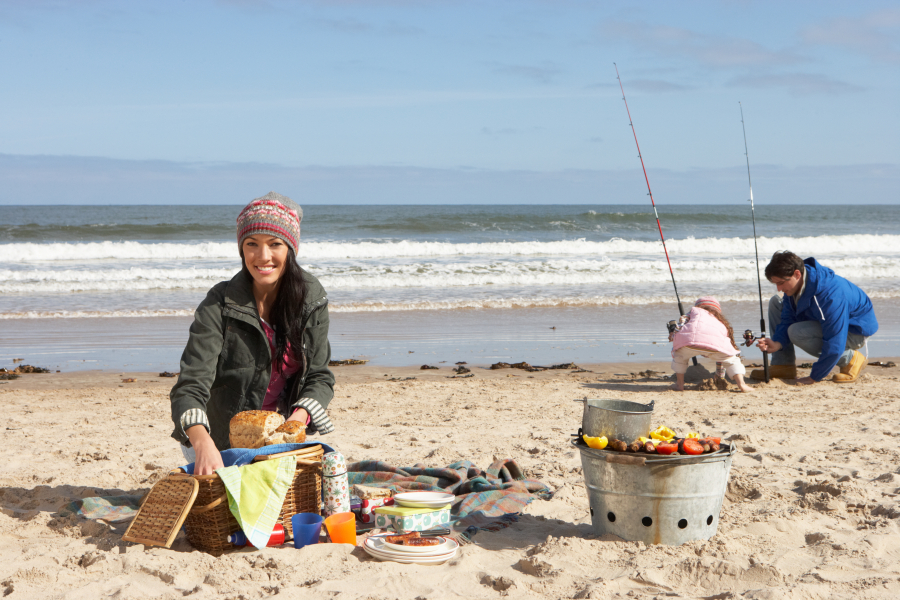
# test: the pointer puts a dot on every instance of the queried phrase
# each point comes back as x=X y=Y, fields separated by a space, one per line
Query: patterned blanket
x=485 y=498
x=112 y=509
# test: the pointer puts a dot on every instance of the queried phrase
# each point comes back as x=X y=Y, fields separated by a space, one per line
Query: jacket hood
x=817 y=277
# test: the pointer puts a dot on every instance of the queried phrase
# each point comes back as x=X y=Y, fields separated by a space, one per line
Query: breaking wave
x=310 y=252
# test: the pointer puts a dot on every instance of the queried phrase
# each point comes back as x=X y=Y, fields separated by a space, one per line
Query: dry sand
x=811 y=509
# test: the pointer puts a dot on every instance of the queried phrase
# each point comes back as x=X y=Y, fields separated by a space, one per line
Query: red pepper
x=692 y=446
x=711 y=440
x=666 y=448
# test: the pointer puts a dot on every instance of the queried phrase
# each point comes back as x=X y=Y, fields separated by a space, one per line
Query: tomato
x=666 y=448
x=692 y=446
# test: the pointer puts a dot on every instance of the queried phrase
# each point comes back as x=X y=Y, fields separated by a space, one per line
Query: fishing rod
x=762 y=318
x=650 y=193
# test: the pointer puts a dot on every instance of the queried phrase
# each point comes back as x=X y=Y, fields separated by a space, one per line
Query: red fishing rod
x=650 y=193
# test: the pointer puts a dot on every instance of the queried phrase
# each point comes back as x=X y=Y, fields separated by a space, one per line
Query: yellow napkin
x=256 y=494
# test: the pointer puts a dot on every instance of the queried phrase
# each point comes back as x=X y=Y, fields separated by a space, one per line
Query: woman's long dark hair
x=286 y=316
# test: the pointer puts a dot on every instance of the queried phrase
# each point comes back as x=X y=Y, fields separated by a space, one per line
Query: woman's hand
x=208 y=457
x=299 y=415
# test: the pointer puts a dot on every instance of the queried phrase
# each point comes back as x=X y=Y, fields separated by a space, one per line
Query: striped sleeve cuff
x=317 y=415
x=191 y=417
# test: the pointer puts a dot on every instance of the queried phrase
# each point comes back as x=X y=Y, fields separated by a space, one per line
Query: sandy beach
x=811 y=509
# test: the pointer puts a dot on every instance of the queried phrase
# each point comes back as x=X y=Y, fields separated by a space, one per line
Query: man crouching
x=822 y=313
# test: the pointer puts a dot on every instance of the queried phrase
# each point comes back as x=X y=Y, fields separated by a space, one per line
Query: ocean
x=115 y=286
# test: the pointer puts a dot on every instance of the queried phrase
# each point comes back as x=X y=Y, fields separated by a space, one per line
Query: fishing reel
x=749 y=338
x=674 y=325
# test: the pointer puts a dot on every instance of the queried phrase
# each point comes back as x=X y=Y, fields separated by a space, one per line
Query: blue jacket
x=835 y=303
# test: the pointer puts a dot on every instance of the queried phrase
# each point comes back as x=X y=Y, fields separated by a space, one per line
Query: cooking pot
x=616 y=419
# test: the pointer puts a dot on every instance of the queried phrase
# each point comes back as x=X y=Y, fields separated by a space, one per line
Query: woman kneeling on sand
x=258 y=342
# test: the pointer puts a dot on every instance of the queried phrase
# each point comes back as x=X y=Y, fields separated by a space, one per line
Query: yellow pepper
x=662 y=433
x=643 y=440
x=597 y=443
x=694 y=435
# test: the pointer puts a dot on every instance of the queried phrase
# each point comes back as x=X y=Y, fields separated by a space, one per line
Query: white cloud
x=711 y=51
x=540 y=74
x=876 y=35
x=798 y=84
x=657 y=86
x=93 y=180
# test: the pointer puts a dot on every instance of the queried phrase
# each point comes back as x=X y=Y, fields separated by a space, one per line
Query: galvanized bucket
x=655 y=500
x=619 y=419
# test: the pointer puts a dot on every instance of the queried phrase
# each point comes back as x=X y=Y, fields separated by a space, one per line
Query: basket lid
x=163 y=511
x=299 y=453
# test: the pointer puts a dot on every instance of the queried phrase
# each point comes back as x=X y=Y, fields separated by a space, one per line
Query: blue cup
x=306 y=529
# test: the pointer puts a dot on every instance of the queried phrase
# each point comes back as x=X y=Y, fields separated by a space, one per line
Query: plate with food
x=424 y=499
x=409 y=544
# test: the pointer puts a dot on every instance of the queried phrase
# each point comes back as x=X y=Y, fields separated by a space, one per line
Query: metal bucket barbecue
x=616 y=419
x=655 y=499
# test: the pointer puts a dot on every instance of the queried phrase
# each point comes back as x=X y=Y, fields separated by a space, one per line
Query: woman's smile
x=265 y=257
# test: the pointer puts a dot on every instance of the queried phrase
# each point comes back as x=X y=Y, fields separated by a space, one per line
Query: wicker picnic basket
x=210 y=522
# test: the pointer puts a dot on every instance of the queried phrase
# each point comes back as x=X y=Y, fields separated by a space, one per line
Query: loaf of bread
x=291 y=432
x=253 y=428
x=367 y=492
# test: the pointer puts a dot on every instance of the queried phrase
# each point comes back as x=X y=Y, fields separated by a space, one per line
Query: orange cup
x=342 y=528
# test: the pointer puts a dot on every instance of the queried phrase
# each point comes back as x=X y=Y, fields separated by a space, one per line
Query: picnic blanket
x=489 y=499
x=112 y=509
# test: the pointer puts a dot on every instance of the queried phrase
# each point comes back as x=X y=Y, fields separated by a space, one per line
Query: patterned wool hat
x=272 y=214
x=710 y=302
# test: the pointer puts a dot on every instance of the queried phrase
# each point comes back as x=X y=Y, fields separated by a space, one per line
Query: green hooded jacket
x=227 y=363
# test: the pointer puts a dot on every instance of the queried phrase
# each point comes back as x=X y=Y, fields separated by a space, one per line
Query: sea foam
x=830 y=245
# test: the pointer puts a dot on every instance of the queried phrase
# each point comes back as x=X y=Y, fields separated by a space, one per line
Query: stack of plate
x=424 y=499
x=377 y=547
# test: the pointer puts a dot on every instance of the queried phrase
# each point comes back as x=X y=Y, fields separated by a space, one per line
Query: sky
x=458 y=101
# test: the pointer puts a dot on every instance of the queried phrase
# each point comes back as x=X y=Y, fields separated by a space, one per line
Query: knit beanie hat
x=272 y=214
x=710 y=302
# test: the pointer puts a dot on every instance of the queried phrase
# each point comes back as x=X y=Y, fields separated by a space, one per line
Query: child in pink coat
x=706 y=333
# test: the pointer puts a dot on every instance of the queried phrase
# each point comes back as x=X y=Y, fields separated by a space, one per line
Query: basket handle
x=624 y=459
x=210 y=506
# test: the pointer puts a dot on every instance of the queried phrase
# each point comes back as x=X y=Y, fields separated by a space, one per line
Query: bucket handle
x=624 y=459
x=650 y=406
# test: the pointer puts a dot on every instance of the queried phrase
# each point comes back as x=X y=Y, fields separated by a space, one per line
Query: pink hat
x=710 y=302
x=272 y=214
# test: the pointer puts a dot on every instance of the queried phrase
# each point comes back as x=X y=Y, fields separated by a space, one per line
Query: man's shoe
x=775 y=372
x=851 y=372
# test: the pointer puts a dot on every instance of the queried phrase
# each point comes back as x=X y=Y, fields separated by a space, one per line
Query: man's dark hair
x=783 y=265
